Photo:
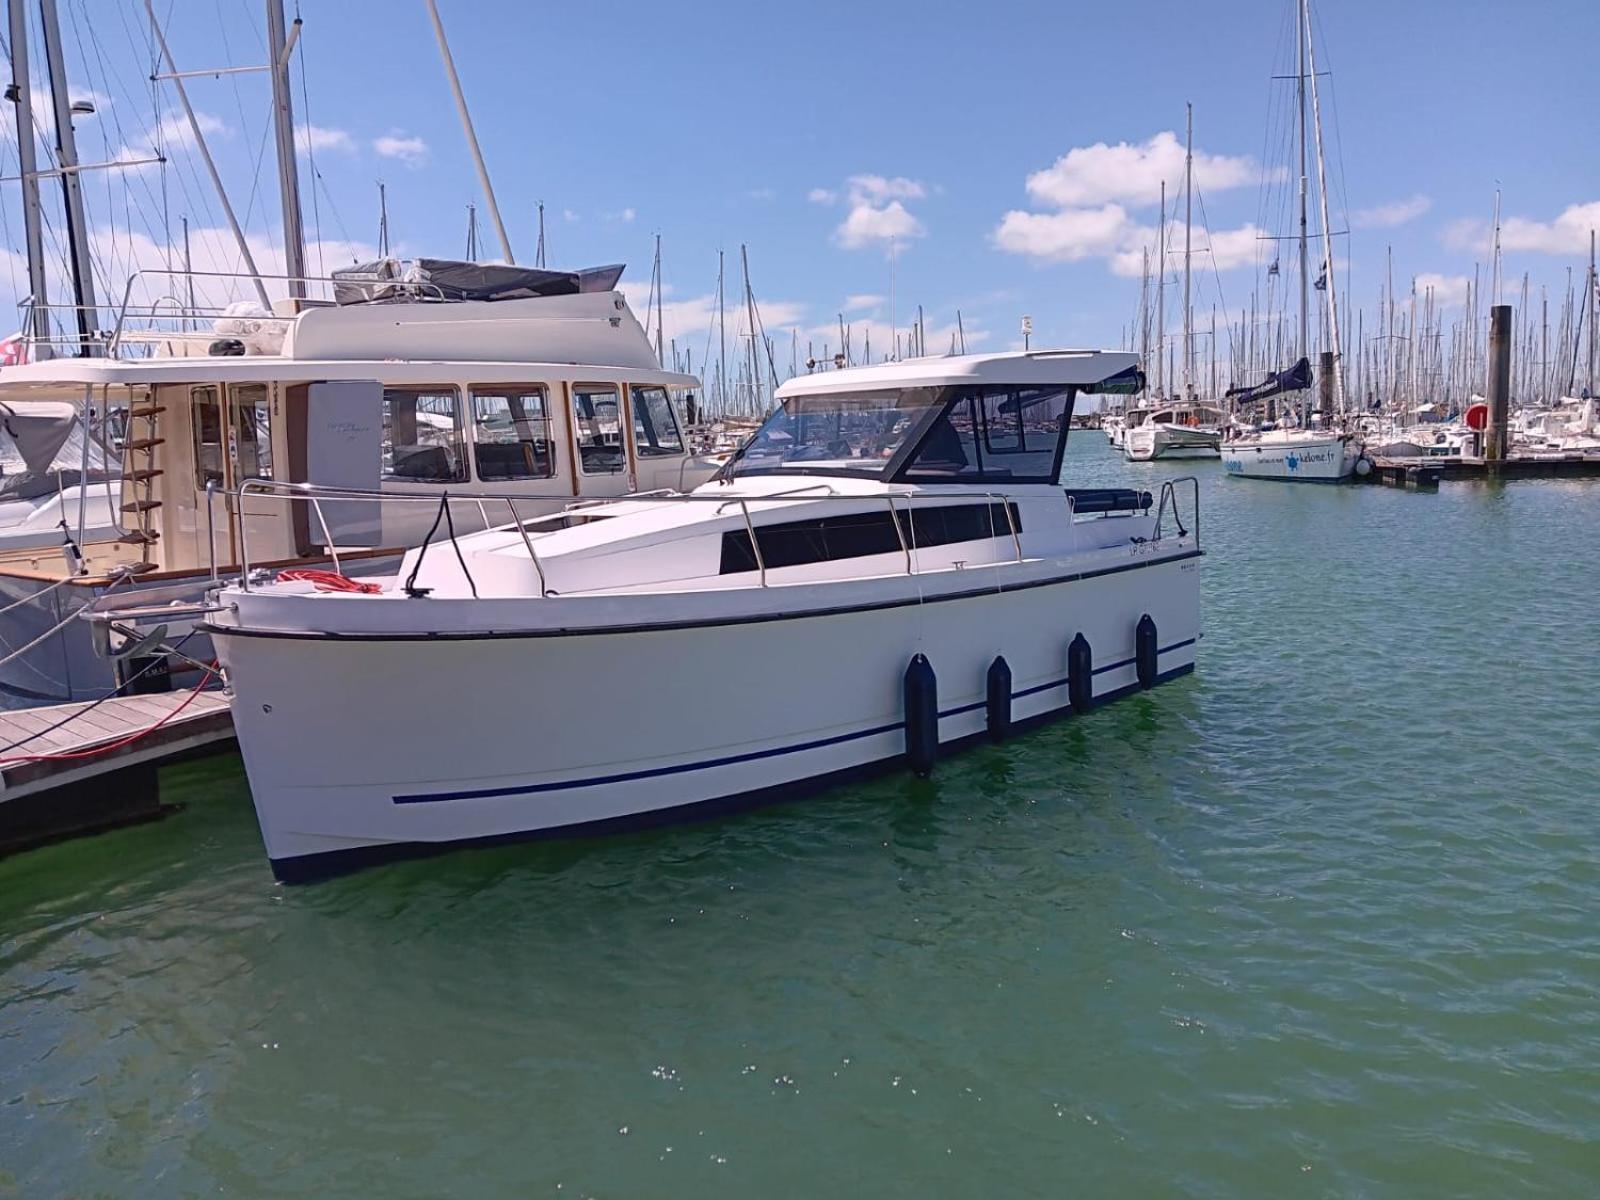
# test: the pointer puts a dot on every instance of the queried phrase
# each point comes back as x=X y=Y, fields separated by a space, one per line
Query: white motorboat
x=1178 y=429
x=1115 y=426
x=890 y=566
x=543 y=386
x=1305 y=455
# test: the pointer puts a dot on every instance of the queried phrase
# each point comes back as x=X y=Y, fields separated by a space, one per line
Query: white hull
x=1147 y=442
x=1309 y=459
x=360 y=748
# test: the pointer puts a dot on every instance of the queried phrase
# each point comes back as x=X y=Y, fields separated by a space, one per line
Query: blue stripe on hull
x=306 y=868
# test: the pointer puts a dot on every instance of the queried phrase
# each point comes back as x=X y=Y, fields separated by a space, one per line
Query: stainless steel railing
x=315 y=495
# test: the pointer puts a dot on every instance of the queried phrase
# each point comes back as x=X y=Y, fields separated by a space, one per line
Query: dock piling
x=1494 y=448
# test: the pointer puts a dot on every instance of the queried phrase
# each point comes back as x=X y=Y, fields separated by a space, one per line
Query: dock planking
x=68 y=769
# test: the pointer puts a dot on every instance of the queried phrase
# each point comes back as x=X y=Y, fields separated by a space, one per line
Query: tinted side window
x=597 y=425
x=511 y=433
x=949 y=451
x=857 y=535
x=1022 y=427
x=655 y=429
x=423 y=437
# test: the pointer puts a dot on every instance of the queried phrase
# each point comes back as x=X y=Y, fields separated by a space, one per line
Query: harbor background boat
x=1135 y=950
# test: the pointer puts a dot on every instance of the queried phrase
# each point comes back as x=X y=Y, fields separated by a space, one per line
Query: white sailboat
x=1182 y=427
x=1308 y=453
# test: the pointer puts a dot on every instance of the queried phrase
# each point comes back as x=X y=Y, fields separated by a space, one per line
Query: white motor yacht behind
x=889 y=568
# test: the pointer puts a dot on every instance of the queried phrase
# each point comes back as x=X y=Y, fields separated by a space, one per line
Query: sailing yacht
x=888 y=569
x=1181 y=427
x=1309 y=453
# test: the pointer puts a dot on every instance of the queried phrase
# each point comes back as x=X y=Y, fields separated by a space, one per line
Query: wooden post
x=1494 y=448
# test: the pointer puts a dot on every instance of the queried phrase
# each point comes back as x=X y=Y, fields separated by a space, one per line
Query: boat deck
x=67 y=769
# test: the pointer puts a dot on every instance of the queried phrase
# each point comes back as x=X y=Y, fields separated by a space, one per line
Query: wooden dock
x=67 y=769
x=1429 y=470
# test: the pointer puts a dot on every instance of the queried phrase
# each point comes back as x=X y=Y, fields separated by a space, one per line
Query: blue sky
x=812 y=132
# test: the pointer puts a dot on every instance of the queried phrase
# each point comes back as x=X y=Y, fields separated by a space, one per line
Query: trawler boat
x=423 y=380
x=889 y=568
x=1178 y=429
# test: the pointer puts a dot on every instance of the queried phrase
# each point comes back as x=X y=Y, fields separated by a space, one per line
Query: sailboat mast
x=1594 y=291
x=1300 y=99
x=279 y=47
x=1327 y=230
x=383 y=220
x=1188 y=231
x=750 y=316
x=659 y=286
x=538 y=254
x=467 y=127
x=722 y=341
x=1161 y=296
x=71 y=187
x=32 y=213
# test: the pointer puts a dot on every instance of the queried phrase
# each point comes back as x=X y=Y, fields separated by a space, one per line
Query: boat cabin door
x=234 y=428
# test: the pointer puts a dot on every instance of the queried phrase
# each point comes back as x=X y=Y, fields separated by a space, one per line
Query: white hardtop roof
x=1031 y=368
x=65 y=374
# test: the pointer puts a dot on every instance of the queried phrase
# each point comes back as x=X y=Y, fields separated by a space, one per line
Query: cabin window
x=858 y=535
x=511 y=433
x=655 y=427
x=423 y=438
x=206 y=403
x=252 y=421
x=597 y=427
x=949 y=453
x=855 y=434
x=994 y=434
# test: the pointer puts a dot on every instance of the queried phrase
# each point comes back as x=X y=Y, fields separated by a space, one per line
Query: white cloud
x=1387 y=216
x=877 y=189
x=867 y=223
x=862 y=301
x=624 y=216
x=412 y=151
x=1092 y=189
x=315 y=138
x=877 y=209
x=1449 y=291
x=1100 y=174
x=1066 y=236
x=1568 y=233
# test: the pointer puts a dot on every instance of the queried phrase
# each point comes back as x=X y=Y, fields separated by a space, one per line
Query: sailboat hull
x=1328 y=459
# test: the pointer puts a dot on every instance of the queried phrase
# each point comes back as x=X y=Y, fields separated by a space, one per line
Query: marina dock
x=69 y=769
x=1430 y=471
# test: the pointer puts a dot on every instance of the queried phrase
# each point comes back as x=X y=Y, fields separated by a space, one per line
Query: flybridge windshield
x=858 y=434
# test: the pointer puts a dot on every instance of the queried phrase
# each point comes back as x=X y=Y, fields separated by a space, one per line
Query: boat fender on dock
x=1080 y=675
x=922 y=716
x=1144 y=651
x=1363 y=466
x=997 y=699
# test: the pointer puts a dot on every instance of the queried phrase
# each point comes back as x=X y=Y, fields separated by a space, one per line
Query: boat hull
x=364 y=748
x=1147 y=442
x=1320 y=460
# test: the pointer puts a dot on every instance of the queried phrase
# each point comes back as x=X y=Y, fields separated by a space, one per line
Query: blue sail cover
x=1296 y=379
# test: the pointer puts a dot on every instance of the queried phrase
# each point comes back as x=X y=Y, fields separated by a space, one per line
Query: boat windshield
x=857 y=433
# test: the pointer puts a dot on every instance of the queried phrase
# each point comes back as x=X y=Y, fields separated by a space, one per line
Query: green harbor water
x=1319 y=920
